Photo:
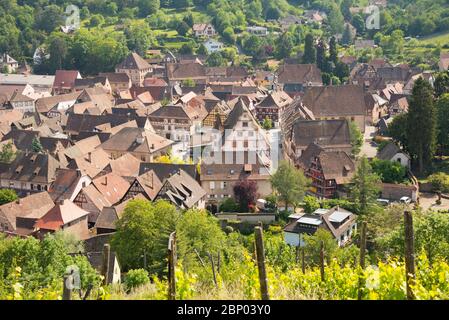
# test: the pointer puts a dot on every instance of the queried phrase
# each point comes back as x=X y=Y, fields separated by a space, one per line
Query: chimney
x=61 y=202
x=152 y=180
x=106 y=180
x=89 y=157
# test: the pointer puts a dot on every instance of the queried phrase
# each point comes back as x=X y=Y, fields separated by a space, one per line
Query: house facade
x=135 y=67
x=339 y=222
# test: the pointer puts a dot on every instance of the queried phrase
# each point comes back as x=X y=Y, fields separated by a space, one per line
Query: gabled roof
x=23 y=140
x=126 y=166
x=171 y=111
x=136 y=140
x=239 y=109
x=66 y=78
x=182 y=190
x=336 y=165
x=112 y=186
x=345 y=100
x=44 y=105
x=165 y=170
x=389 y=151
x=299 y=74
x=134 y=62
x=33 y=206
x=61 y=214
x=77 y=123
x=322 y=132
x=181 y=71
x=36 y=168
x=109 y=216
x=150 y=183
x=114 y=77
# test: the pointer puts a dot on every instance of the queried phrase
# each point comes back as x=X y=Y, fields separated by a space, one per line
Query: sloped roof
x=322 y=132
x=184 y=191
x=333 y=163
x=151 y=183
x=60 y=215
x=389 y=151
x=65 y=78
x=33 y=206
x=126 y=140
x=345 y=100
x=112 y=186
x=126 y=166
x=134 y=61
x=299 y=73
x=30 y=167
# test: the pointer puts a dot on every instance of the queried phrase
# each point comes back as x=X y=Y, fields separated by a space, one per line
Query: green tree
x=285 y=45
x=313 y=246
x=365 y=187
x=96 y=20
x=138 y=37
x=142 y=235
x=136 y=278
x=311 y=204
x=442 y=107
x=441 y=84
x=398 y=130
x=182 y=28
x=148 y=7
x=7 y=154
x=198 y=232
x=333 y=51
x=430 y=236
x=440 y=182
x=7 y=196
x=335 y=19
x=356 y=138
x=267 y=124
x=347 y=36
x=190 y=83
x=289 y=183
x=36 y=145
x=215 y=59
x=229 y=205
x=422 y=115
x=309 y=50
x=389 y=171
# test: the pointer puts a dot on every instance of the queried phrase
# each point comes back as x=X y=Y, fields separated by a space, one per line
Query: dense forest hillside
x=109 y=28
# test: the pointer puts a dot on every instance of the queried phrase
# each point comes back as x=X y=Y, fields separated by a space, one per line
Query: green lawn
x=439 y=38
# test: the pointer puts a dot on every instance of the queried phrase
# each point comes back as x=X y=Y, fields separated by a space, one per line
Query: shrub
x=136 y=278
x=311 y=204
x=229 y=205
x=440 y=182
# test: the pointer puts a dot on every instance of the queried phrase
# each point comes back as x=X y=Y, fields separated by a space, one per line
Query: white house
x=213 y=45
x=204 y=29
x=6 y=61
x=391 y=152
x=257 y=31
x=339 y=222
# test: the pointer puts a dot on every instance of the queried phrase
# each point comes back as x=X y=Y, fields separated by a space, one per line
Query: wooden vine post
x=171 y=267
x=409 y=254
x=67 y=287
x=211 y=258
x=362 y=257
x=322 y=261
x=303 y=260
x=260 y=256
x=105 y=265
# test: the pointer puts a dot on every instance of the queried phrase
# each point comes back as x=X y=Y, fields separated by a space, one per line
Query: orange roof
x=60 y=215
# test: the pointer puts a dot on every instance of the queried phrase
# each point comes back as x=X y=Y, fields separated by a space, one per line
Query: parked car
x=383 y=202
x=406 y=200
